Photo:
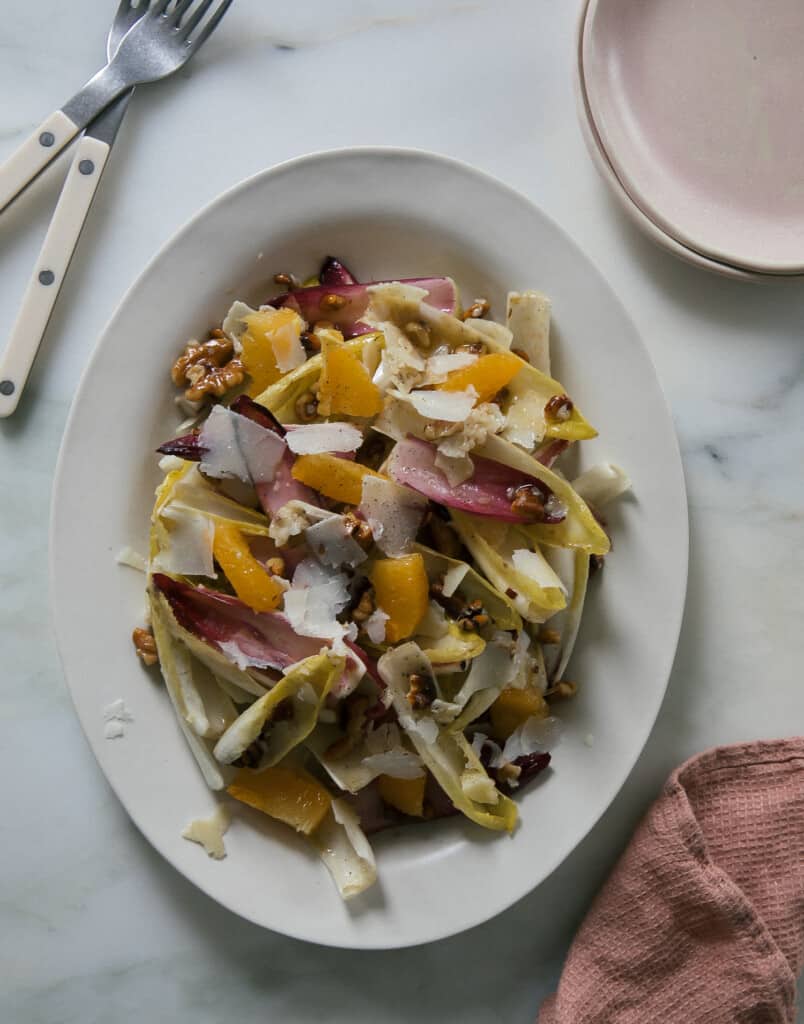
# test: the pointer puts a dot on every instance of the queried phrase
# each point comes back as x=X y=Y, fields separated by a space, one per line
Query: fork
x=177 y=26
x=156 y=45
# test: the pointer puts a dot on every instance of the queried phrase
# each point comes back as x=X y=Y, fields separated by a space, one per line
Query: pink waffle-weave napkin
x=702 y=920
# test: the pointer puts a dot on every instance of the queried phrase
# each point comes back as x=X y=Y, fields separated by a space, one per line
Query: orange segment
x=487 y=376
x=335 y=478
x=512 y=708
x=401 y=590
x=253 y=584
x=406 y=795
x=345 y=387
x=267 y=329
x=287 y=794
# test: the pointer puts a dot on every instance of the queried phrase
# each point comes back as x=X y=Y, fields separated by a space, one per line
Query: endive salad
x=367 y=568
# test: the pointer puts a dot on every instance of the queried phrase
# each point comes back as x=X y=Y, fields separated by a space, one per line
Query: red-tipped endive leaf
x=489 y=491
x=333 y=273
x=314 y=304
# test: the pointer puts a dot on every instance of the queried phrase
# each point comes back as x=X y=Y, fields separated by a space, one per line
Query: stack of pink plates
x=692 y=111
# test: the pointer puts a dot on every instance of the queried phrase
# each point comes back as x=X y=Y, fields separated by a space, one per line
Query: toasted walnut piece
x=145 y=646
x=364 y=607
x=275 y=566
x=210 y=354
x=549 y=636
x=563 y=690
x=478 y=309
x=472 y=616
x=421 y=692
x=217 y=382
x=332 y=302
x=528 y=501
x=477 y=348
x=307 y=407
x=558 y=409
x=523 y=355
x=596 y=563
x=208 y=368
x=359 y=530
x=509 y=773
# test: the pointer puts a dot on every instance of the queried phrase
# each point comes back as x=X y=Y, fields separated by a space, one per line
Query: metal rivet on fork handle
x=47 y=139
x=46 y=277
x=6 y=387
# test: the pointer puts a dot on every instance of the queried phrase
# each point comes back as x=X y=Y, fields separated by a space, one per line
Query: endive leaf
x=448 y=755
x=579 y=529
x=284 y=717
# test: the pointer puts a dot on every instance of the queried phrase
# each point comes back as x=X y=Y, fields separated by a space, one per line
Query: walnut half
x=145 y=646
x=208 y=367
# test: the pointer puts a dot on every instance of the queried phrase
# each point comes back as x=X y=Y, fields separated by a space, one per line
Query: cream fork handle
x=35 y=154
x=50 y=269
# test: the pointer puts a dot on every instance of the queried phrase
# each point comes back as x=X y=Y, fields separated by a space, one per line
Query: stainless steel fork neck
x=98 y=93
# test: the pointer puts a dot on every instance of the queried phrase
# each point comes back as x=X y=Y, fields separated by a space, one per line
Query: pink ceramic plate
x=601 y=162
x=697 y=109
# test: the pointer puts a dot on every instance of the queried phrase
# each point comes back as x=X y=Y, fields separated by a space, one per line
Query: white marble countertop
x=94 y=926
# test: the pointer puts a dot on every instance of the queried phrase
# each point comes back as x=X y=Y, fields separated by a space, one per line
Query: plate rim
x=627 y=203
x=650 y=209
x=672 y=625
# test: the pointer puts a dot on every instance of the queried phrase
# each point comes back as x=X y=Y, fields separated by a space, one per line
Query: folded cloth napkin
x=702 y=920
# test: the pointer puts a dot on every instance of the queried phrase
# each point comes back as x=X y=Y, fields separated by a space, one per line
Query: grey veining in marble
x=94 y=926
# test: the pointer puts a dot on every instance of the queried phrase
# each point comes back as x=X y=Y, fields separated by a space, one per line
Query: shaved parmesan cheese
x=332 y=544
x=222 y=457
x=292 y=519
x=317 y=595
x=393 y=512
x=601 y=484
x=535 y=566
x=169 y=463
x=186 y=548
x=375 y=626
x=482 y=421
x=455 y=469
x=312 y=438
x=449 y=406
x=386 y=298
x=401 y=366
x=453 y=578
x=425 y=728
x=238 y=447
x=131 y=558
x=209 y=832
x=534 y=736
x=234 y=323
x=286 y=343
x=398 y=419
x=440 y=366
